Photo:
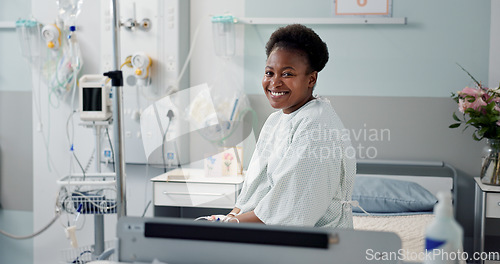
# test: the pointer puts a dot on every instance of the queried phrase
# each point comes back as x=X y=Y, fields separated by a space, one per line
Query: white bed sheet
x=410 y=228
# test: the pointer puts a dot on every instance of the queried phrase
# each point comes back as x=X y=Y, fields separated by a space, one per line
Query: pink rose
x=497 y=108
x=471 y=92
x=462 y=105
x=478 y=104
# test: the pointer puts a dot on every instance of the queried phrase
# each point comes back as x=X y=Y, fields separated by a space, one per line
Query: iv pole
x=117 y=83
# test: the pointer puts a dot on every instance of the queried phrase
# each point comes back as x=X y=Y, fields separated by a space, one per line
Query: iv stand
x=98 y=218
x=117 y=84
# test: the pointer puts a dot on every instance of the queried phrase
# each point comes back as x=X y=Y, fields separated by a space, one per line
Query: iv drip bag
x=69 y=10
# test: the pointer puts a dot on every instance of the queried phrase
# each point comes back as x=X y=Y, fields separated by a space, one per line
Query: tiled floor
x=18 y=223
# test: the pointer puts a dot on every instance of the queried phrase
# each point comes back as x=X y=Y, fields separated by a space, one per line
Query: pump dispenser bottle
x=444 y=236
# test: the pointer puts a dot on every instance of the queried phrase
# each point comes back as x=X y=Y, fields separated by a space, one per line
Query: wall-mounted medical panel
x=154 y=43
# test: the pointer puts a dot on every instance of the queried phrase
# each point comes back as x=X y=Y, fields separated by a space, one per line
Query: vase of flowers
x=490 y=170
x=480 y=109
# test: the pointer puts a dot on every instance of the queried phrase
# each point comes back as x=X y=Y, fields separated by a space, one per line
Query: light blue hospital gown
x=302 y=170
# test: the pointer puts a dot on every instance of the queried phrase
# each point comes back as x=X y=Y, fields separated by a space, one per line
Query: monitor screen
x=92 y=99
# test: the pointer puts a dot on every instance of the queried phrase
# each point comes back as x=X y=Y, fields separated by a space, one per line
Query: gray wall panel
x=16 y=151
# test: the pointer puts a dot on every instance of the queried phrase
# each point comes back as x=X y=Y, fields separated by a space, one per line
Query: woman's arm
x=248 y=217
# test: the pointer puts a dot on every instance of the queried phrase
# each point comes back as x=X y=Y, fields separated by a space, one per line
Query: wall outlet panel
x=167 y=44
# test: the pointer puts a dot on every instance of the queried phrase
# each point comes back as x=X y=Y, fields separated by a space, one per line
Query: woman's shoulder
x=319 y=114
x=317 y=110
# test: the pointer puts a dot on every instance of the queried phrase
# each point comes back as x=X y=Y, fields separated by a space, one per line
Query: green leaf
x=455 y=117
x=482 y=131
x=475 y=137
x=455 y=125
x=490 y=106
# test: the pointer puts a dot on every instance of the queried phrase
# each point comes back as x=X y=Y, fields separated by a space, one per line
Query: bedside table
x=189 y=193
x=487 y=221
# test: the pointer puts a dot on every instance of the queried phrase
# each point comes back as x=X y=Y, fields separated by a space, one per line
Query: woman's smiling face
x=288 y=82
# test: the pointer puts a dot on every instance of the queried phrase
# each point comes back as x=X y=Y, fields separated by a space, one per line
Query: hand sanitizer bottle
x=444 y=236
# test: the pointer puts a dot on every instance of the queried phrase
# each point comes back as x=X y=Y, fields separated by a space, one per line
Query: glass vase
x=490 y=169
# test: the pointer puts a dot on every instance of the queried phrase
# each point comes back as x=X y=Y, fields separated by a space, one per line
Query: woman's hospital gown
x=302 y=170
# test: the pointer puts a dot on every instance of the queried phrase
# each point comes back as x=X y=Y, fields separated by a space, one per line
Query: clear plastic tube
x=28 y=33
x=223 y=35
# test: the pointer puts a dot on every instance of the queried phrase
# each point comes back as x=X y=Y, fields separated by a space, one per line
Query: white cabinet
x=191 y=188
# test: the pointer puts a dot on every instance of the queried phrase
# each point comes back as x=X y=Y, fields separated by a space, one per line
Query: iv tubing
x=189 y=54
x=34 y=234
x=43 y=229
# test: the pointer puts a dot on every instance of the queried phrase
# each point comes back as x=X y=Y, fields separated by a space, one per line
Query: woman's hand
x=248 y=217
x=235 y=211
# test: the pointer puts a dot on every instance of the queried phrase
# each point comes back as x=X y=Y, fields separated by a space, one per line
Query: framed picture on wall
x=375 y=8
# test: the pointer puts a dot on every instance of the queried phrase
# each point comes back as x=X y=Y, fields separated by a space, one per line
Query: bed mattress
x=409 y=227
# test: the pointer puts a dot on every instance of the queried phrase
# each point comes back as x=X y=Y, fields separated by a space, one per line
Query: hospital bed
x=174 y=240
x=400 y=196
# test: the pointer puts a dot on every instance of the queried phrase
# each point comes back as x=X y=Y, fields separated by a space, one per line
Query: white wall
x=494 y=69
x=205 y=65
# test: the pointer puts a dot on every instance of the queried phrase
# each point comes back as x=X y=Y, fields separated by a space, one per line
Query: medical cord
x=146 y=188
x=38 y=110
x=52 y=87
x=128 y=62
x=75 y=86
x=78 y=261
x=356 y=204
x=68 y=224
x=68 y=207
x=43 y=229
x=146 y=209
x=190 y=53
x=112 y=151
x=163 y=144
x=70 y=141
x=218 y=218
x=89 y=199
x=89 y=162
x=34 y=234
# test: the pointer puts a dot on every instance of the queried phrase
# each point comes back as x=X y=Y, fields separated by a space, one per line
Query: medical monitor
x=95 y=98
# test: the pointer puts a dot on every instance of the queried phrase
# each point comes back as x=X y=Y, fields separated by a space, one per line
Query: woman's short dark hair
x=302 y=38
